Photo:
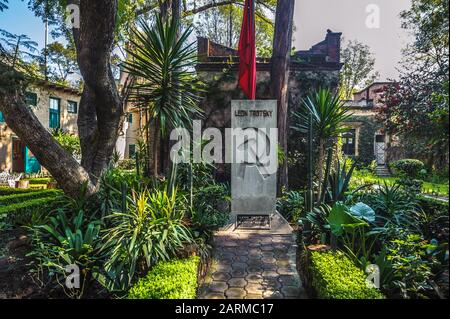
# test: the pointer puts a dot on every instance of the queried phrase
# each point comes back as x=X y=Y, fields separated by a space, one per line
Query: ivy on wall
x=366 y=139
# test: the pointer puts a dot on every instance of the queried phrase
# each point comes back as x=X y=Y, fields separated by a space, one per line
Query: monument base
x=278 y=226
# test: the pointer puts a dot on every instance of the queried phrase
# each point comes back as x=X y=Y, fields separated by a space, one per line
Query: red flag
x=247 y=51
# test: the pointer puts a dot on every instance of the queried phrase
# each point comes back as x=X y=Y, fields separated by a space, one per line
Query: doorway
x=380 y=148
x=18 y=156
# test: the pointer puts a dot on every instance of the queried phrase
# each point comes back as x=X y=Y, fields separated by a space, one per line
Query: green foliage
x=334 y=276
x=165 y=65
x=66 y=240
x=150 y=229
x=409 y=167
x=358 y=69
x=30 y=212
x=433 y=206
x=19 y=198
x=175 y=279
x=127 y=164
x=336 y=183
x=388 y=200
x=411 y=269
x=210 y=207
x=62 y=61
x=329 y=114
x=202 y=175
x=70 y=142
x=40 y=180
x=291 y=205
x=417 y=108
x=4 y=191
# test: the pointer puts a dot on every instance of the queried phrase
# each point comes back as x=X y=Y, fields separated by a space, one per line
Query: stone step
x=382 y=171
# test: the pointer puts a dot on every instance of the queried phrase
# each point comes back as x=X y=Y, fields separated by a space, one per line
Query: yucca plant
x=328 y=116
x=150 y=230
x=163 y=64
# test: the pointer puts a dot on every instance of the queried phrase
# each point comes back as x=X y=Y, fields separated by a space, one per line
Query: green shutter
x=2 y=119
x=54 y=113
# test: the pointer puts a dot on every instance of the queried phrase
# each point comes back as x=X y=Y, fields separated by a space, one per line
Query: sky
x=312 y=18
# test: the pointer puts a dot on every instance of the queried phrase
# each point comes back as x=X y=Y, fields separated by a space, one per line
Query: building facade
x=55 y=106
x=366 y=139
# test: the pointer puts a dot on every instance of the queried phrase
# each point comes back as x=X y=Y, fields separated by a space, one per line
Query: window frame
x=35 y=98
x=70 y=102
x=346 y=146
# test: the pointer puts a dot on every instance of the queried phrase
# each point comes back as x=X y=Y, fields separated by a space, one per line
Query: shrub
x=291 y=205
x=127 y=164
x=40 y=180
x=68 y=238
x=211 y=207
x=176 y=279
x=334 y=276
x=150 y=230
x=408 y=167
x=433 y=206
x=412 y=270
x=18 y=198
x=30 y=212
x=4 y=191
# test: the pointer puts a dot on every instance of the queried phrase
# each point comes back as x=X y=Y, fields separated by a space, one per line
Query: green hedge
x=408 y=167
x=24 y=213
x=334 y=276
x=10 y=191
x=40 y=180
x=175 y=279
x=433 y=206
x=22 y=197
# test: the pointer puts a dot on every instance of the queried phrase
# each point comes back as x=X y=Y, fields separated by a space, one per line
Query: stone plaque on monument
x=254 y=157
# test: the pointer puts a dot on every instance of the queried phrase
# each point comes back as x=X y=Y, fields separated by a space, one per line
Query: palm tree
x=166 y=88
x=328 y=116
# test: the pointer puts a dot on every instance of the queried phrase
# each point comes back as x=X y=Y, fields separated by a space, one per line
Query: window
x=2 y=118
x=379 y=138
x=54 y=113
x=31 y=98
x=72 y=107
x=131 y=151
x=130 y=118
x=349 y=142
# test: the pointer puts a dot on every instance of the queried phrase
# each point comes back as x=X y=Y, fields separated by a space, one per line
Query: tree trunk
x=100 y=110
x=279 y=75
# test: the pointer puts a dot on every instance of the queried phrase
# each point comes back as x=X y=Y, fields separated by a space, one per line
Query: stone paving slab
x=253 y=266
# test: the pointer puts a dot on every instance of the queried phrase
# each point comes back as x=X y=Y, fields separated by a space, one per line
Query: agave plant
x=163 y=66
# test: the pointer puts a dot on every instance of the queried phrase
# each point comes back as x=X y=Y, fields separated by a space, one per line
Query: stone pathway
x=252 y=266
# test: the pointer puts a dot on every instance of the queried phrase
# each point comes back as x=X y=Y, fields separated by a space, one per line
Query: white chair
x=12 y=180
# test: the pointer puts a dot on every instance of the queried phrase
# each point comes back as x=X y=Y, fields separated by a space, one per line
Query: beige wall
x=68 y=120
x=133 y=132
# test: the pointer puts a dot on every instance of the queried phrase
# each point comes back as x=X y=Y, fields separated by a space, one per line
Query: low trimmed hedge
x=4 y=191
x=23 y=213
x=39 y=180
x=22 y=197
x=175 y=279
x=334 y=276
